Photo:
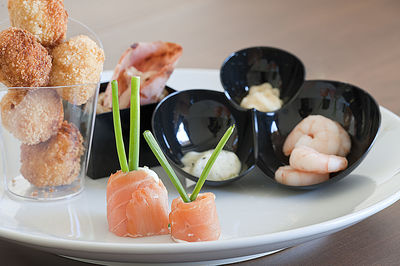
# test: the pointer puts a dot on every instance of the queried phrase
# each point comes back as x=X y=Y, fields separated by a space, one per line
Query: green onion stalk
x=134 y=132
x=170 y=172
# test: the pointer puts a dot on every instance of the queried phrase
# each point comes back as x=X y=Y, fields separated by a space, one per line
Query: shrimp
x=287 y=175
x=345 y=141
x=307 y=159
x=317 y=132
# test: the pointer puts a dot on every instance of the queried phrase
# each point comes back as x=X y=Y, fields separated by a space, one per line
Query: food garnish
x=168 y=169
x=137 y=200
x=134 y=130
x=117 y=129
x=192 y=218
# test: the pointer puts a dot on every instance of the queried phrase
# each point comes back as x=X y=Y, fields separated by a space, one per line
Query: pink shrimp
x=307 y=159
x=287 y=175
x=317 y=132
x=345 y=141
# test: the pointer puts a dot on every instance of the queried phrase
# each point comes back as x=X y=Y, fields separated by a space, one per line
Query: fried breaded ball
x=32 y=116
x=77 y=61
x=45 y=19
x=23 y=61
x=55 y=162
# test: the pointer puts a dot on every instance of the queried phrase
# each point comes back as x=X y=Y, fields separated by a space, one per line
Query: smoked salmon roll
x=195 y=221
x=137 y=204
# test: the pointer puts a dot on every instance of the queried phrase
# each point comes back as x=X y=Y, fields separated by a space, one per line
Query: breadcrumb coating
x=77 y=61
x=23 y=61
x=55 y=162
x=45 y=19
x=32 y=116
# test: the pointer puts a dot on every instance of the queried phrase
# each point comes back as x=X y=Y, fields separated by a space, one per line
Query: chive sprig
x=134 y=131
x=155 y=148
x=148 y=136
x=117 y=128
x=211 y=162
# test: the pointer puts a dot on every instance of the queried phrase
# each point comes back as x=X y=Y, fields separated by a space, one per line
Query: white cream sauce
x=150 y=173
x=225 y=167
x=262 y=97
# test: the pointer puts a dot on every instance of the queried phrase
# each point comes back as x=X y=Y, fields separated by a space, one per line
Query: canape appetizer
x=154 y=62
x=193 y=218
x=46 y=20
x=24 y=62
x=54 y=162
x=317 y=146
x=137 y=200
x=76 y=61
x=32 y=116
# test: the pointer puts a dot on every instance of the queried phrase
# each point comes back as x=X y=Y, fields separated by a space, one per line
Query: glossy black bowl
x=257 y=65
x=103 y=159
x=195 y=120
x=347 y=104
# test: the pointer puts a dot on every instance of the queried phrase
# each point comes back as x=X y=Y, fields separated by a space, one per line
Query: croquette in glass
x=24 y=62
x=77 y=61
x=45 y=19
x=32 y=116
x=55 y=162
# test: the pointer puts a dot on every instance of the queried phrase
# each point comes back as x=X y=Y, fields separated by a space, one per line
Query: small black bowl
x=257 y=65
x=195 y=120
x=103 y=159
x=347 y=104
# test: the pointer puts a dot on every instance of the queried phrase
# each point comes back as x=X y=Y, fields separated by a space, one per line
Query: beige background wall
x=354 y=41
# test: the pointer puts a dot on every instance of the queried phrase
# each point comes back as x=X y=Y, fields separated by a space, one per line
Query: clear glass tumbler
x=46 y=135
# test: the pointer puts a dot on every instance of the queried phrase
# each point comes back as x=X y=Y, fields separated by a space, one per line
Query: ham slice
x=154 y=62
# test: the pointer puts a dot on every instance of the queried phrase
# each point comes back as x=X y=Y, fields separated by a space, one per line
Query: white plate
x=255 y=217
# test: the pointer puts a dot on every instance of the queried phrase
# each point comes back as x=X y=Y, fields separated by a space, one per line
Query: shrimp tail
x=307 y=159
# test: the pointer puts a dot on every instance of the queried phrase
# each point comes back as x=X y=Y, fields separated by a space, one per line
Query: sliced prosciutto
x=154 y=62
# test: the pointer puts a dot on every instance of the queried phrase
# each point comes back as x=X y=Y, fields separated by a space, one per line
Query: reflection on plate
x=256 y=217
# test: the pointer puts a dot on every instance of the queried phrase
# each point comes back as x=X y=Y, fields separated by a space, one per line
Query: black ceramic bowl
x=103 y=159
x=195 y=120
x=257 y=65
x=347 y=104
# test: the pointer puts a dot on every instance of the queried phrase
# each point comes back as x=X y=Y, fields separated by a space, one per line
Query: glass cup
x=46 y=135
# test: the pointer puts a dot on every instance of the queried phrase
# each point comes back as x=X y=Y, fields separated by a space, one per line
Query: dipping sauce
x=226 y=166
x=262 y=97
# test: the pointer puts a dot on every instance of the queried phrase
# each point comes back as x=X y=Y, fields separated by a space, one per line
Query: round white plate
x=255 y=217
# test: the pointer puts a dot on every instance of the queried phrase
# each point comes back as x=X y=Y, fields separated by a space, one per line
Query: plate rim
x=132 y=249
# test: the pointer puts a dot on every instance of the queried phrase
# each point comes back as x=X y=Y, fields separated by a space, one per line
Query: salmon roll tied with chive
x=195 y=221
x=137 y=204
x=193 y=218
x=137 y=200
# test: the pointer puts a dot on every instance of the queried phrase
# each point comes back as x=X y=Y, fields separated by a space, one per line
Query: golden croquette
x=77 y=61
x=45 y=19
x=23 y=61
x=32 y=116
x=55 y=162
